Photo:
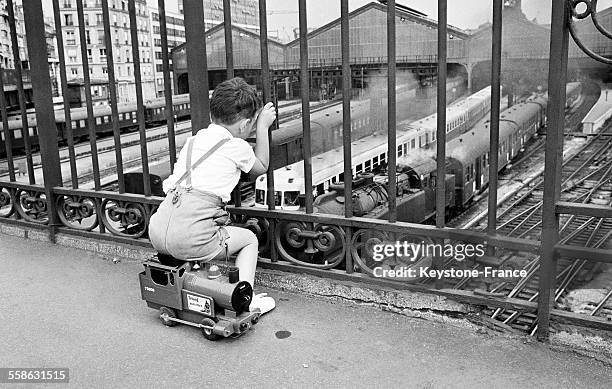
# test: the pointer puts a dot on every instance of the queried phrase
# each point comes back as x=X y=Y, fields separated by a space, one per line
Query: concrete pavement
x=64 y=307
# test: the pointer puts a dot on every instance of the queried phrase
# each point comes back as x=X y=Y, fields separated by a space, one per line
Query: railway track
x=587 y=178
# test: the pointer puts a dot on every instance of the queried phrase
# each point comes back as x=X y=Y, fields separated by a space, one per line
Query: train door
x=478 y=174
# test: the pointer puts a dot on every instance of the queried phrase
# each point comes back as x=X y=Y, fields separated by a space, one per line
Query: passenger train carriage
x=467 y=167
x=371 y=151
x=154 y=114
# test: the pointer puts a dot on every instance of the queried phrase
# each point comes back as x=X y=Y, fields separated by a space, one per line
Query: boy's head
x=235 y=104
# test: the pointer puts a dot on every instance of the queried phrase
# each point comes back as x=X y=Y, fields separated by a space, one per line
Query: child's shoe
x=263 y=303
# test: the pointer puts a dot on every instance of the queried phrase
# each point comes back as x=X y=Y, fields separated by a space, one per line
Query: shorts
x=190 y=228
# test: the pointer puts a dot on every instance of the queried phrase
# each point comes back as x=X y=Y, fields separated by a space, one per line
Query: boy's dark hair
x=233 y=100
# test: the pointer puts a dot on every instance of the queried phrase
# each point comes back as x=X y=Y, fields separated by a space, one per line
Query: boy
x=236 y=113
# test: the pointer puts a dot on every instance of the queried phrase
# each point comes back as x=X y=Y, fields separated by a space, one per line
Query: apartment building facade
x=97 y=51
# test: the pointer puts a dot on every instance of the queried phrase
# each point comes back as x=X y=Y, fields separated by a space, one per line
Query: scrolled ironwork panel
x=32 y=205
x=590 y=10
x=7 y=202
x=123 y=218
x=368 y=251
x=319 y=246
x=78 y=212
x=259 y=226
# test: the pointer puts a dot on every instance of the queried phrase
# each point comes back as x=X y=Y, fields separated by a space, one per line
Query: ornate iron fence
x=326 y=245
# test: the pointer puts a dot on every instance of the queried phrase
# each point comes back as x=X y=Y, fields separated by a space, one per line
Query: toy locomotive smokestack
x=233 y=273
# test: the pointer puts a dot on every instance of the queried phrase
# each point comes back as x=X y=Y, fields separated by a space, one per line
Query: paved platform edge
x=579 y=340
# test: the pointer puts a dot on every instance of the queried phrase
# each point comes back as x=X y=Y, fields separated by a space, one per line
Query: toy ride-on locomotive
x=217 y=304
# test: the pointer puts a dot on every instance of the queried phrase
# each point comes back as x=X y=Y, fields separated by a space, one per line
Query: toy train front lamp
x=201 y=298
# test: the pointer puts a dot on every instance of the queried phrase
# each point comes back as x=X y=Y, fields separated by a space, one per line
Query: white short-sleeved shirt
x=220 y=172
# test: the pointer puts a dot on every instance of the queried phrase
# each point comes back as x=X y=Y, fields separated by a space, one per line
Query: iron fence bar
x=229 y=65
x=586 y=253
x=21 y=93
x=441 y=115
x=265 y=77
x=468 y=236
x=169 y=111
x=229 y=50
x=8 y=134
x=391 y=103
x=494 y=122
x=438 y=260
x=197 y=66
x=557 y=77
x=144 y=155
x=64 y=80
x=91 y=119
x=43 y=101
x=346 y=109
x=307 y=150
x=112 y=92
x=599 y=211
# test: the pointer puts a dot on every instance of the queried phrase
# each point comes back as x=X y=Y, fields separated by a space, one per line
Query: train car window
x=359 y=168
x=413 y=143
x=319 y=190
x=333 y=180
x=341 y=177
x=399 y=150
x=425 y=182
x=98 y=120
x=260 y=196
x=278 y=198
x=404 y=147
x=427 y=138
x=383 y=158
x=368 y=165
x=292 y=198
x=375 y=160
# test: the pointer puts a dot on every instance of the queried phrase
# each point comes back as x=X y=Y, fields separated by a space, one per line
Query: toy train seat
x=201 y=298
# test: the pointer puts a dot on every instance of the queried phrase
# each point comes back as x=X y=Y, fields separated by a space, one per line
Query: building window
x=70 y=38
x=100 y=37
x=89 y=54
x=102 y=52
x=68 y=20
x=84 y=3
x=114 y=19
x=104 y=70
x=86 y=19
x=159 y=67
x=74 y=71
x=99 y=19
x=158 y=55
x=87 y=37
x=157 y=42
x=67 y=3
x=124 y=21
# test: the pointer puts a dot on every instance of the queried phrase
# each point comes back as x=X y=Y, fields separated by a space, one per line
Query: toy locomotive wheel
x=207 y=331
x=164 y=315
